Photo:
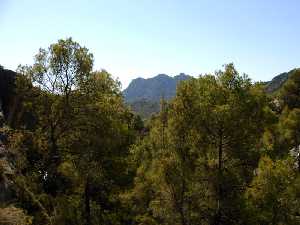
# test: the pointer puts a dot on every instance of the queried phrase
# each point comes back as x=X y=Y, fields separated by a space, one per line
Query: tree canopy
x=222 y=151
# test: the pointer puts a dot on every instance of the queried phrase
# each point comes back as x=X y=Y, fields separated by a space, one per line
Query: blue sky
x=146 y=37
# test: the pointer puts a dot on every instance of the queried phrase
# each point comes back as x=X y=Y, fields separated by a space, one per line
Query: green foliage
x=290 y=93
x=144 y=108
x=201 y=152
x=72 y=135
x=221 y=152
x=274 y=193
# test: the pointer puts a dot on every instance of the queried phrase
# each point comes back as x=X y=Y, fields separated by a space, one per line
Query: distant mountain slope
x=143 y=95
x=154 y=88
x=276 y=83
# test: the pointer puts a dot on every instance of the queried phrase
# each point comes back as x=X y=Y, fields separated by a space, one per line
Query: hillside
x=277 y=82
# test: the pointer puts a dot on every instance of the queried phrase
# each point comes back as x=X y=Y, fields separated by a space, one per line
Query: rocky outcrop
x=144 y=95
x=7 y=90
x=153 y=89
x=6 y=172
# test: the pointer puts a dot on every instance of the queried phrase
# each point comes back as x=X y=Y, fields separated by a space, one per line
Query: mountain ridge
x=143 y=95
x=154 y=88
x=277 y=82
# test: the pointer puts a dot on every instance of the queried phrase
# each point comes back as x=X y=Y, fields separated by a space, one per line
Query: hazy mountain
x=143 y=95
x=276 y=83
x=153 y=89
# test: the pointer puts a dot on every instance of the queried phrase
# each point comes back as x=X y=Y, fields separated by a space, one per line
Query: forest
x=223 y=151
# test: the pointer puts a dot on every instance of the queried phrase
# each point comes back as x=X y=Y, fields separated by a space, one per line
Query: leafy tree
x=73 y=153
x=100 y=128
x=61 y=68
x=213 y=134
x=273 y=195
x=57 y=71
x=221 y=152
x=290 y=128
x=290 y=93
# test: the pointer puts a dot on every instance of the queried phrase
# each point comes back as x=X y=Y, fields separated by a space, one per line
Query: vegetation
x=145 y=108
x=222 y=151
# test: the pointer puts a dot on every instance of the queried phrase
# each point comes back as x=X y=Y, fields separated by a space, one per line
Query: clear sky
x=146 y=37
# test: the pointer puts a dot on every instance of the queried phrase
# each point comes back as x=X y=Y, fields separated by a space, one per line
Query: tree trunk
x=182 y=218
x=218 y=215
x=181 y=210
x=87 y=202
x=298 y=155
x=54 y=157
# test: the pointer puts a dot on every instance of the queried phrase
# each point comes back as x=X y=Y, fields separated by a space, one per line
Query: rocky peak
x=153 y=89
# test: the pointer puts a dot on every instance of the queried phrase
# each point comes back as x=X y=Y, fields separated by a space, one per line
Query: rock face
x=153 y=89
x=144 y=95
x=7 y=87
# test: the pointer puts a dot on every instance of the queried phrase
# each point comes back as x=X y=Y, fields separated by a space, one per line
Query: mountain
x=153 y=89
x=143 y=95
x=277 y=82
